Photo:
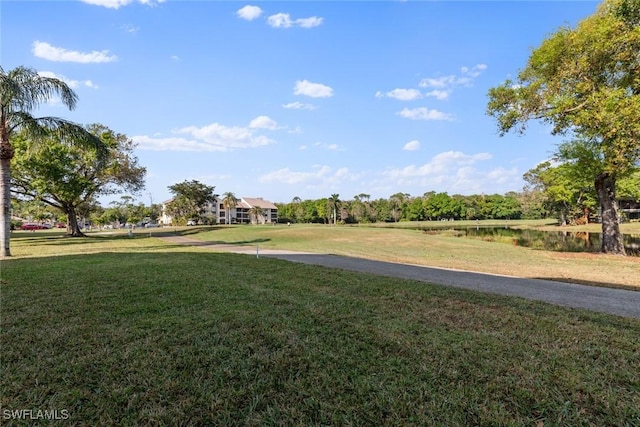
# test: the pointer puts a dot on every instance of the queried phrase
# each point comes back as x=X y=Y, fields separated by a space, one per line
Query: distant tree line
x=551 y=192
x=431 y=206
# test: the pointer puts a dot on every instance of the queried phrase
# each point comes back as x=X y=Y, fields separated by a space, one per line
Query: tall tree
x=334 y=202
x=584 y=81
x=567 y=192
x=229 y=201
x=190 y=200
x=439 y=206
x=319 y=210
x=297 y=209
x=399 y=203
x=257 y=215
x=63 y=175
x=23 y=90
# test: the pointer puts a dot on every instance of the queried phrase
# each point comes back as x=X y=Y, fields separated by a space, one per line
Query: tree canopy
x=63 y=175
x=585 y=82
x=190 y=200
x=23 y=90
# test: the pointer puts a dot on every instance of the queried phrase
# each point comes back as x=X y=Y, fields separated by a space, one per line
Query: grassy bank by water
x=414 y=246
x=134 y=331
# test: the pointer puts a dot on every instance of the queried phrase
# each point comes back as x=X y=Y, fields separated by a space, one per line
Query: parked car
x=61 y=225
x=33 y=226
x=151 y=225
x=192 y=222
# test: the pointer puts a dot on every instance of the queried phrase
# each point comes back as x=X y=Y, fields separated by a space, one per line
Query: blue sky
x=284 y=99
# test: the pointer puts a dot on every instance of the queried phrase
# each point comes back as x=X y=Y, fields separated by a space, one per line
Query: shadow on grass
x=64 y=239
x=180 y=231
x=197 y=230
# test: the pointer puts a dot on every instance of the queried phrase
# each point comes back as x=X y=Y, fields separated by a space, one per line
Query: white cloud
x=130 y=29
x=401 y=94
x=280 y=20
x=298 y=106
x=111 y=4
x=213 y=137
x=441 y=164
x=314 y=90
x=501 y=175
x=474 y=71
x=438 y=94
x=311 y=22
x=283 y=20
x=175 y=58
x=453 y=172
x=423 y=113
x=116 y=4
x=439 y=82
x=320 y=177
x=249 y=12
x=73 y=84
x=263 y=122
x=145 y=142
x=46 y=51
x=412 y=145
x=330 y=147
x=449 y=82
x=288 y=176
x=441 y=88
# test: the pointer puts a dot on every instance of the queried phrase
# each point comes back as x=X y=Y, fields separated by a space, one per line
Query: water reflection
x=562 y=241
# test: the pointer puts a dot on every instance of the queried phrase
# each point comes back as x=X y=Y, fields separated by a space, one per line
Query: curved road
x=607 y=300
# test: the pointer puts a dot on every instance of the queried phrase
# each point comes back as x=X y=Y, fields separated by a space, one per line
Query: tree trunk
x=563 y=218
x=6 y=154
x=5 y=198
x=612 y=242
x=73 y=229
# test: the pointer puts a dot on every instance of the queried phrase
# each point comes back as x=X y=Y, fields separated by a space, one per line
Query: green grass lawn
x=133 y=331
x=414 y=246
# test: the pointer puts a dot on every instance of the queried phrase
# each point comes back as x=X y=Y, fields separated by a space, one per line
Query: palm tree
x=23 y=90
x=229 y=202
x=296 y=208
x=258 y=213
x=334 y=200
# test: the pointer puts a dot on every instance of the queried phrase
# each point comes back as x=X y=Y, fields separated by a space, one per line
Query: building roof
x=259 y=202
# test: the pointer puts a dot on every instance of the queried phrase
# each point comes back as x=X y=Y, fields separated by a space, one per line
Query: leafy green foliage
x=630 y=186
x=189 y=201
x=23 y=90
x=63 y=174
x=567 y=189
x=585 y=82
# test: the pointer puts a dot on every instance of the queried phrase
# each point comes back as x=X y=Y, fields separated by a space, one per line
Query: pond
x=561 y=241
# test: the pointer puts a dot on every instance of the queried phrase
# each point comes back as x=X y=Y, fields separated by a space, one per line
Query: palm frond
x=23 y=89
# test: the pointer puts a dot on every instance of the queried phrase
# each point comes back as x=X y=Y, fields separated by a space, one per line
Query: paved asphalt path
x=607 y=300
